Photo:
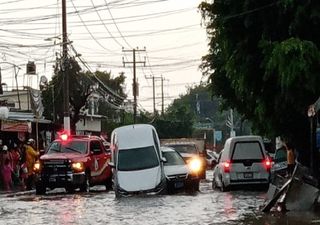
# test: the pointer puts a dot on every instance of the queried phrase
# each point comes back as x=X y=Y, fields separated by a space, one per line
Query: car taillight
x=267 y=164
x=226 y=166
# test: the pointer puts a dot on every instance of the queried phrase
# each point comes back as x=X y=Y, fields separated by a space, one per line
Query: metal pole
x=134 y=88
x=162 y=96
x=154 y=96
x=66 y=118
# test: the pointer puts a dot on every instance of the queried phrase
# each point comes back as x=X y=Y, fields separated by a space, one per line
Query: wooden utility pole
x=135 y=86
x=162 y=97
x=154 y=93
x=65 y=66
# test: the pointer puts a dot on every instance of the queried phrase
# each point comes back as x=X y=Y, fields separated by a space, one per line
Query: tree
x=263 y=61
x=80 y=87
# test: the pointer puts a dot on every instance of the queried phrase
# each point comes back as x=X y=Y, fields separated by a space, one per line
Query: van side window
x=224 y=156
x=155 y=139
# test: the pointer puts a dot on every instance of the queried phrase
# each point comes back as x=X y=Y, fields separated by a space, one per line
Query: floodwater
x=101 y=207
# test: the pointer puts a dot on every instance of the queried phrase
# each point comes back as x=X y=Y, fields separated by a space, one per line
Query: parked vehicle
x=279 y=163
x=243 y=161
x=212 y=159
x=191 y=149
x=178 y=174
x=136 y=160
x=73 y=162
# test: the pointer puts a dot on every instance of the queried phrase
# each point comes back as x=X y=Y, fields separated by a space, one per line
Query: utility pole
x=65 y=67
x=135 y=86
x=162 y=96
x=154 y=93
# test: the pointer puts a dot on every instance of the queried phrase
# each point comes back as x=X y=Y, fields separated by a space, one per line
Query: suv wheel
x=85 y=187
x=40 y=189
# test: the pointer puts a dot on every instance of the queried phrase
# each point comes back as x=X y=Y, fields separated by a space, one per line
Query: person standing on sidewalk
x=31 y=157
x=290 y=159
x=6 y=172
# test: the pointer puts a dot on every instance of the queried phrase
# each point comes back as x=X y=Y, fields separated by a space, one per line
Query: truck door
x=99 y=161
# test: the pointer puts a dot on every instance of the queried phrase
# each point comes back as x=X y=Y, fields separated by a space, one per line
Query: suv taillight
x=226 y=166
x=267 y=164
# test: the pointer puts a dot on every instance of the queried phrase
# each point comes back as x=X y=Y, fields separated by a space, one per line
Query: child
x=6 y=175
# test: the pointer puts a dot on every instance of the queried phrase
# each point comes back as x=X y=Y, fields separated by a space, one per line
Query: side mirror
x=163 y=159
x=111 y=164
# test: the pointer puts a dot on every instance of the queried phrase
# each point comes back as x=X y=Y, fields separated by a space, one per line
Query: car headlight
x=77 y=166
x=37 y=166
x=195 y=165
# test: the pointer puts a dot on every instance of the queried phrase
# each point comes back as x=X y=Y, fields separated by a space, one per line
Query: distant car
x=212 y=159
x=136 y=160
x=178 y=174
x=243 y=161
x=279 y=164
x=190 y=153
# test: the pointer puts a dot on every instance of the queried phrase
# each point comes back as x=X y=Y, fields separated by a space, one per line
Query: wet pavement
x=101 y=207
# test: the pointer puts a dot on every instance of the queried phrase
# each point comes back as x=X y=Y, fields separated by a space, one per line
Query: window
x=95 y=147
x=68 y=147
x=280 y=156
x=137 y=158
x=247 y=150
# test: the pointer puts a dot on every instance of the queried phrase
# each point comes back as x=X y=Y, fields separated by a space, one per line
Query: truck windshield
x=184 y=148
x=137 y=159
x=173 y=159
x=68 y=147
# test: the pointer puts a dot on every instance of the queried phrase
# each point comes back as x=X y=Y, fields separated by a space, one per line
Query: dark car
x=179 y=175
x=73 y=162
x=279 y=165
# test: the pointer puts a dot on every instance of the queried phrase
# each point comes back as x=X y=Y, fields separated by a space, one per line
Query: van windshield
x=137 y=159
x=247 y=150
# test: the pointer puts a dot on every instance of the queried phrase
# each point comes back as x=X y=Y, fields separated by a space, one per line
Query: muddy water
x=101 y=207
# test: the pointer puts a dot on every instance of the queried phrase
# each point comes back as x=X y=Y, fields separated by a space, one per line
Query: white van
x=243 y=161
x=136 y=160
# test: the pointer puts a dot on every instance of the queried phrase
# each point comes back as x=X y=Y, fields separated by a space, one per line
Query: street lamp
x=213 y=132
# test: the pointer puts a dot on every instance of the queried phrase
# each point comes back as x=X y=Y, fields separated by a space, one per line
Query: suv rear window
x=247 y=150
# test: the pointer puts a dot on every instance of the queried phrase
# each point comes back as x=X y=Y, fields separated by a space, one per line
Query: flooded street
x=101 y=207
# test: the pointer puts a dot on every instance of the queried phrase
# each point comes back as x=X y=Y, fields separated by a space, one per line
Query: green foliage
x=264 y=61
x=79 y=89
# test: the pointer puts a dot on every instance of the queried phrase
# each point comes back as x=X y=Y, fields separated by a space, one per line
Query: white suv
x=243 y=161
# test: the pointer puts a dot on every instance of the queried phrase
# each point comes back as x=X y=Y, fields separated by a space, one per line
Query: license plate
x=178 y=184
x=248 y=175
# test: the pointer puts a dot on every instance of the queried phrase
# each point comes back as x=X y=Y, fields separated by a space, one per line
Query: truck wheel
x=40 y=189
x=70 y=189
x=85 y=187
x=109 y=183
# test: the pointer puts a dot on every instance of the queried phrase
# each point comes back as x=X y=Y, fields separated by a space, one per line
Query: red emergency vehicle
x=74 y=162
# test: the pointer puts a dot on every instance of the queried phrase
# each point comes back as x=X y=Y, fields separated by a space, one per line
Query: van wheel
x=223 y=188
x=85 y=187
x=214 y=184
x=70 y=189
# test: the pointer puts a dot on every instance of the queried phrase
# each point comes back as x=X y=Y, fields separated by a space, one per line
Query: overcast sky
x=99 y=30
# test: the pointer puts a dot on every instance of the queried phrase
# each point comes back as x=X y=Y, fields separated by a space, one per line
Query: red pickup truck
x=73 y=162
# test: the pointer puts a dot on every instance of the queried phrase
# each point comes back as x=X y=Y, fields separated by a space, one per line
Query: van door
x=247 y=158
